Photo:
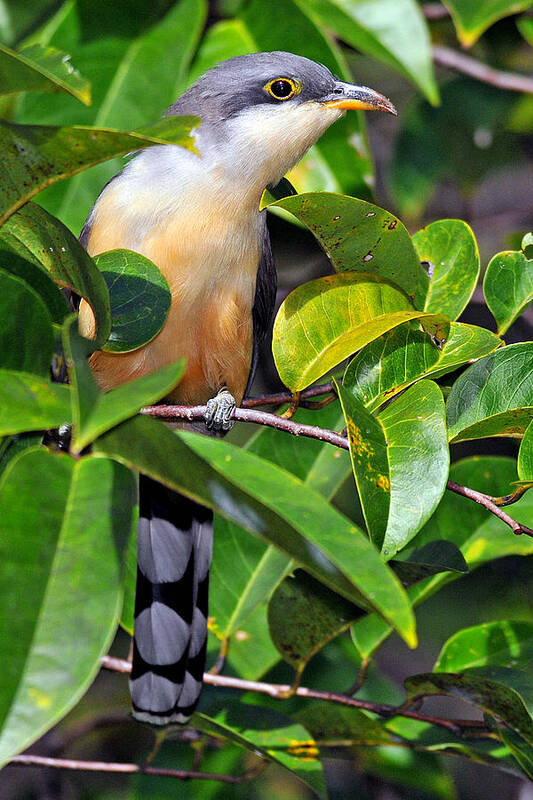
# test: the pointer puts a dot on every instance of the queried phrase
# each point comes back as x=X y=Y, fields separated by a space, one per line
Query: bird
x=198 y=218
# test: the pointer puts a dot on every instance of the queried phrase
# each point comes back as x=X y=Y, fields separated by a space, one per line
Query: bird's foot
x=219 y=412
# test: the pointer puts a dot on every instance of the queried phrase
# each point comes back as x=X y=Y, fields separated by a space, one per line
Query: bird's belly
x=212 y=281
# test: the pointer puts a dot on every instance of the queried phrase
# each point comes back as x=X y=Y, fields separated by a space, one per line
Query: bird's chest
x=210 y=261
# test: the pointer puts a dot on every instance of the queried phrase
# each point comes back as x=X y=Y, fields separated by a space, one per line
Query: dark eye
x=283 y=88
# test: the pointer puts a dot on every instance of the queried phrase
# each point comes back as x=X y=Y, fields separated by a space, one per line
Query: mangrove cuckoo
x=198 y=219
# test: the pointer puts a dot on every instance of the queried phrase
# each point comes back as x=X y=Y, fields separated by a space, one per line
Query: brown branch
x=281 y=691
x=488 y=503
x=30 y=760
x=433 y=11
x=512 y=81
x=191 y=413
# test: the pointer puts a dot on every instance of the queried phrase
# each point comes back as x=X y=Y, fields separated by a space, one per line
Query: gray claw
x=219 y=412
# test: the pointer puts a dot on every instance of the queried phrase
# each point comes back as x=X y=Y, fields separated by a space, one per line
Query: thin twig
x=488 y=503
x=191 y=413
x=30 y=760
x=512 y=81
x=281 y=691
x=433 y=11
x=279 y=398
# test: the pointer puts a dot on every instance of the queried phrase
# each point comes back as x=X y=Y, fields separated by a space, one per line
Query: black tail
x=175 y=542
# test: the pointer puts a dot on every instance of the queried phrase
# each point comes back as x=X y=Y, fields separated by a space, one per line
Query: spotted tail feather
x=175 y=542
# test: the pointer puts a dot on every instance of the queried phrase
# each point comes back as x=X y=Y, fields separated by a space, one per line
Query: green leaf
x=35 y=156
x=223 y=40
x=493 y=397
x=504 y=643
x=389 y=364
x=235 y=593
x=358 y=236
x=12 y=446
x=41 y=69
x=251 y=652
x=430 y=559
x=490 y=695
x=472 y=17
x=481 y=536
x=130 y=87
x=35 y=235
x=521 y=750
x=288 y=26
x=267 y=501
x=508 y=287
x=93 y=412
x=324 y=321
x=32 y=404
x=65 y=526
x=36 y=278
x=525 y=455
x=273 y=735
x=400 y=461
x=331 y=724
x=431 y=739
x=422 y=774
x=450 y=246
x=304 y=615
x=26 y=337
x=394 y=32
x=17 y=18
x=140 y=299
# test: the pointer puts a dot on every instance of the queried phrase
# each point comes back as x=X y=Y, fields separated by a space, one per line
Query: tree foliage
x=295 y=567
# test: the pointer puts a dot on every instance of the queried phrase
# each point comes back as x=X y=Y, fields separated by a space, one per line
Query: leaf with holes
x=358 y=236
x=450 y=247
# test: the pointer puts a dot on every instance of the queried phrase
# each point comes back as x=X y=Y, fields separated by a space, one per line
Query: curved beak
x=350 y=97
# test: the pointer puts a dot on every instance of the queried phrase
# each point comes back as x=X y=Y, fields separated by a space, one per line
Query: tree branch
x=280 y=691
x=433 y=11
x=30 y=760
x=488 y=503
x=192 y=413
x=512 y=81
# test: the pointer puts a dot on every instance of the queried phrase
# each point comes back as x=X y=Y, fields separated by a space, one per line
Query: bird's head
x=261 y=112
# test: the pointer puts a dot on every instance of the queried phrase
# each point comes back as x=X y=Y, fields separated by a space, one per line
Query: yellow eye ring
x=283 y=88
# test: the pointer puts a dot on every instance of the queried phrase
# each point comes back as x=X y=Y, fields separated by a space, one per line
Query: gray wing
x=264 y=302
